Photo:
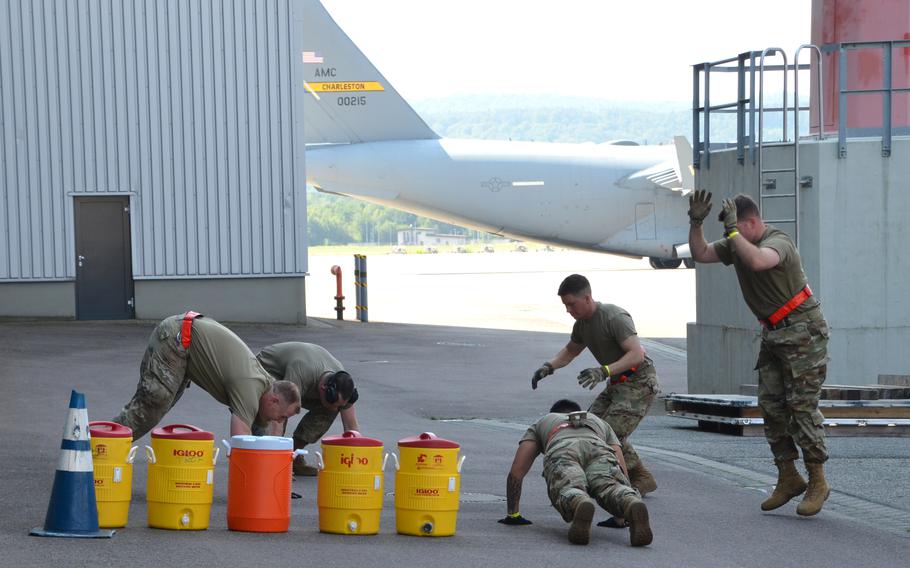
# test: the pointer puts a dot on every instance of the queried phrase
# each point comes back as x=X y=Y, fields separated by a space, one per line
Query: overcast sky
x=639 y=50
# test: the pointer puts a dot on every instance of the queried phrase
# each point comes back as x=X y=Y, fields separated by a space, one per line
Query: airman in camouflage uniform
x=204 y=352
x=793 y=360
x=317 y=374
x=631 y=379
x=582 y=461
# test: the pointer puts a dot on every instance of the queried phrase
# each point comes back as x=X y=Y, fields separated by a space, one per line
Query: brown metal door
x=104 y=276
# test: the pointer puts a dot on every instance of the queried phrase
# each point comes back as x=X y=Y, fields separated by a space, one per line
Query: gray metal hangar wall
x=152 y=159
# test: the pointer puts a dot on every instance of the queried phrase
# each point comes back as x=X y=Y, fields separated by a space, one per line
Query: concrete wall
x=38 y=299
x=273 y=300
x=853 y=241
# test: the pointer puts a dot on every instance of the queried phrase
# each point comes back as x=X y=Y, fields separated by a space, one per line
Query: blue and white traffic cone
x=73 y=511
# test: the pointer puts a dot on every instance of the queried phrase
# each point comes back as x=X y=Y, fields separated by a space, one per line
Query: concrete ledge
x=38 y=299
x=260 y=300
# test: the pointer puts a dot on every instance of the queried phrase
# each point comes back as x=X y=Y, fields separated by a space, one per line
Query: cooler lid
x=427 y=440
x=182 y=432
x=103 y=429
x=262 y=443
x=351 y=438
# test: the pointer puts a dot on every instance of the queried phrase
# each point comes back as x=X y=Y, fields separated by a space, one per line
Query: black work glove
x=545 y=370
x=514 y=520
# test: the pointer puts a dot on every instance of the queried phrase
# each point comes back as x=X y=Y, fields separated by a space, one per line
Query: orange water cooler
x=259 y=483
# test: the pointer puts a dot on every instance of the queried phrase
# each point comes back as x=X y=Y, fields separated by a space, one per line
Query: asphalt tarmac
x=470 y=385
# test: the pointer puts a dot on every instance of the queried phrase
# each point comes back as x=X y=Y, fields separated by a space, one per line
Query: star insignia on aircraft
x=495 y=184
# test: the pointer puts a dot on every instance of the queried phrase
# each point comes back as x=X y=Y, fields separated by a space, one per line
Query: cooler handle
x=150 y=454
x=461 y=461
x=171 y=427
x=320 y=464
x=397 y=463
x=132 y=455
x=215 y=457
x=226 y=445
x=385 y=458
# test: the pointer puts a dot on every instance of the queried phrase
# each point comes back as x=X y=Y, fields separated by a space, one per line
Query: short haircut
x=344 y=385
x=287 y=392
x=745 y=207
x=565 y=406
x=576 y=284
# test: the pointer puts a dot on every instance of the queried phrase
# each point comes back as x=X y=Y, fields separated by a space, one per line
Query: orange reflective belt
x=186 y=330
x=795 y=302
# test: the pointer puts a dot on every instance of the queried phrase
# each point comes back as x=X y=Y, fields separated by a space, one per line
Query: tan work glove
x=545 y=370
x=727 y=216
x=592 y=377
x=699 y=206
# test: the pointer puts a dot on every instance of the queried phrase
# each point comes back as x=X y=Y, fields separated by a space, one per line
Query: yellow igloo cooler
x=350 y=484
x=112 y=460
x=181 y=477
x=427 y=485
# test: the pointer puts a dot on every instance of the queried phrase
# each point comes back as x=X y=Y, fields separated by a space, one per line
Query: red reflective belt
x=186 y=330
x=624 y=376
x=556 y=429
x=795 y=302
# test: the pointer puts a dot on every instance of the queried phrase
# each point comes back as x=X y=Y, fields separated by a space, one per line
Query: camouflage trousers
x=792 y=366
x=162 y=379
x=314 y=424
x=579 y=467
x=623 y=405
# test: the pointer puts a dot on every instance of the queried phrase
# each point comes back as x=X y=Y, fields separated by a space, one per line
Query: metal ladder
x=766 y=185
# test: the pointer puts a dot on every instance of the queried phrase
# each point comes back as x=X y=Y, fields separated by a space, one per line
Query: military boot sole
x=639 y=525
x=808 y=512
x=779 y=499
x=580 y=529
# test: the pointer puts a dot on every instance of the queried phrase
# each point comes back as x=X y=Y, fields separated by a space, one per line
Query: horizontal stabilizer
x=684 y=168
x=348 y=100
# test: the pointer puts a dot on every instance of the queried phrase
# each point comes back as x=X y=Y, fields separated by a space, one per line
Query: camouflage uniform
x=622 y=404
x=304 y=364
x=793 y=361
x=217 y=360
x=580 y=462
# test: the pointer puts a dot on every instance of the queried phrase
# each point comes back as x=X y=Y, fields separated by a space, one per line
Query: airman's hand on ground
x=699 y=206
x=728 y=216
x=592 y=377
x=544 y=370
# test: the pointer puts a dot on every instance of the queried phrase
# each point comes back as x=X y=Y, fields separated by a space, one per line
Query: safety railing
x=887 y=91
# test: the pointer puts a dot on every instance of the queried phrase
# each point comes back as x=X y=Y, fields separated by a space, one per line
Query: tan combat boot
x=789 y=484
x=301 y=469
x=817 y=492
x=580 y=529
x=639 y=526
x=641 y=478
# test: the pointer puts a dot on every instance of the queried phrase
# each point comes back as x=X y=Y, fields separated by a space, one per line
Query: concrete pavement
x=467 y=384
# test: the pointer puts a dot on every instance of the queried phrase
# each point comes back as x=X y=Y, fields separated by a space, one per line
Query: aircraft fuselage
x=579 y=195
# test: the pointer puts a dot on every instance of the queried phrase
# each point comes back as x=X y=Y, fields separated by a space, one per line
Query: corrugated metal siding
x=193 y=107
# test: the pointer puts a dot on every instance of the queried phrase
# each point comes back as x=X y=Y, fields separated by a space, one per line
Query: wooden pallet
x=739 y=415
